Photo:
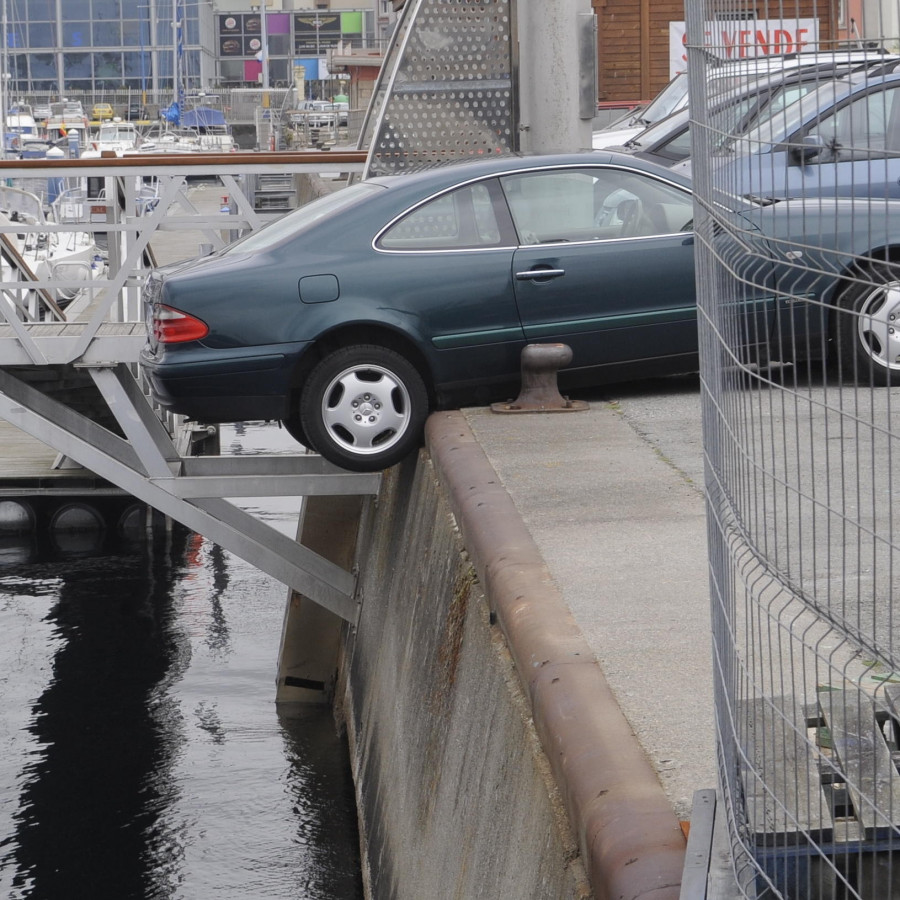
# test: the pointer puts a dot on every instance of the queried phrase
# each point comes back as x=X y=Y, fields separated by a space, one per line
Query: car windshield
x=300 y=219
x=670 y=98
x=659 y=130
x=784 y=122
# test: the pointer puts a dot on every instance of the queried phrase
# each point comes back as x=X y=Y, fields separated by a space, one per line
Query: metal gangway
x=127 y=202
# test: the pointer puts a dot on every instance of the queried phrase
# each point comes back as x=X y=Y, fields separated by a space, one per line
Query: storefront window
x=76 y=65
x=279 y=44
x=107 y=34
x=136 y=65
x=43 y=65
x=77 y=9
x=278 y=71
x=40 y=10
x=135 y=33
x=42 y=34
x=108 y=67
x=231 y=70
x=107 y=9
x=76 y=34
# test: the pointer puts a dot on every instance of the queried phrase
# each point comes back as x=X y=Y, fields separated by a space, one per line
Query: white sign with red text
x=745 y=39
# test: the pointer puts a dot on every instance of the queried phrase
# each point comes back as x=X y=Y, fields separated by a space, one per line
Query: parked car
x=731 y=114
x=726 y=77
x=136 y=111
x=352 y=317
x=842 y=139
x=102 y=111
x=342 y=108
x=318 y=114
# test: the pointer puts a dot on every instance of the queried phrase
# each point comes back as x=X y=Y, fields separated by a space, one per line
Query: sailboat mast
x=4 y=79
x=176 y=46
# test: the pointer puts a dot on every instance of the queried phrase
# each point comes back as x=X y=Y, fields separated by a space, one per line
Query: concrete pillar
x=557 y=74
x=310 y=639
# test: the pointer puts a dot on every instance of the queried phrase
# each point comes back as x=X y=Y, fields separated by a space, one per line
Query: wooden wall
x=633 y=40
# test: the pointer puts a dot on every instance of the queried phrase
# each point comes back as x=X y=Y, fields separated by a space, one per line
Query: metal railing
x=139 y=452
x=52 y=309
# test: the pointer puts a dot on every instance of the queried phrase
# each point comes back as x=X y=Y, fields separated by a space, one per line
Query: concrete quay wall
x=454 y=793
x=490 y=758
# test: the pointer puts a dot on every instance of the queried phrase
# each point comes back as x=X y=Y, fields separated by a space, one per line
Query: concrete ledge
x=628 y=835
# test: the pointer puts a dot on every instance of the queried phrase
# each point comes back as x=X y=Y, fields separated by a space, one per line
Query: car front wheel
x=869 y=326
x=364 y=407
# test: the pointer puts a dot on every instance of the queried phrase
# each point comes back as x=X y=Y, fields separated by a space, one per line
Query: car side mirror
x=810 y=147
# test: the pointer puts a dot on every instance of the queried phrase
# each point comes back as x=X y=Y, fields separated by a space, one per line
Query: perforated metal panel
x=447 y=87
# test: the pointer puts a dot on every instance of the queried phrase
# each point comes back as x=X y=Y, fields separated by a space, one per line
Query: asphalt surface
x=613 y=497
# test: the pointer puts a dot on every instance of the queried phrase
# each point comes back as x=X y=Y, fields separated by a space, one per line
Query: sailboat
x=71 y=256
x=190 y=124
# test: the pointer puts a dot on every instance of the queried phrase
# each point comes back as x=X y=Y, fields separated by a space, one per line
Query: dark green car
x=351 y=318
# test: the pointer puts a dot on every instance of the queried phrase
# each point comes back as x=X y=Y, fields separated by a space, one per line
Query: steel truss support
x=193 y=490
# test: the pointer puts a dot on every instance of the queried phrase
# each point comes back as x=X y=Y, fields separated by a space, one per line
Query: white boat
x=169 y=140
x=116 y=136
x=213 y=132
x=20 y=126
x=34 y=255
x=66 y=116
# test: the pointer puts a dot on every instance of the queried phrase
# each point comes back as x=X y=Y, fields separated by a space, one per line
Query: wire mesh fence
x=798 y=259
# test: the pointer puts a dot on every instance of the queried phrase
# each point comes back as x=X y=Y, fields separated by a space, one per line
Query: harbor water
x=142 y=754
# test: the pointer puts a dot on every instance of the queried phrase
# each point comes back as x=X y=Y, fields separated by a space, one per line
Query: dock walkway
x=620 y=522
x=26 y=463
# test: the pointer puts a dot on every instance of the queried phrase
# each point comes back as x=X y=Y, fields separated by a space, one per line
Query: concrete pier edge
x=630 y=839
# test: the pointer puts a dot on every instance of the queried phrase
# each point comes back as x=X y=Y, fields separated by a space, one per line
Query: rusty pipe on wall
x=630 y=840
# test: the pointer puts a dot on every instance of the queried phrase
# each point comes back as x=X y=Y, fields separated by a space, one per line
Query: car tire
x=868 y=326
x=363 y=408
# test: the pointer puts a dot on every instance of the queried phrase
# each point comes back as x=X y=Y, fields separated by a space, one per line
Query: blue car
x=842 y=139
x=731 y=113
x=352 y=317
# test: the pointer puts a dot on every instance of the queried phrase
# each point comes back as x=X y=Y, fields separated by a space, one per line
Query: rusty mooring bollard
x=539 y=393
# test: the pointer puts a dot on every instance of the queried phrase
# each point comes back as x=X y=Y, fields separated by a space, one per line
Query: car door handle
x=535 y=274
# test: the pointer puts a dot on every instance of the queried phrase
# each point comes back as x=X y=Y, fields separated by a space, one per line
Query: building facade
x=155 y=46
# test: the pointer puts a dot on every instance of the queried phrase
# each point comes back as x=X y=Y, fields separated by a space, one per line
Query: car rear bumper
x=228 y=388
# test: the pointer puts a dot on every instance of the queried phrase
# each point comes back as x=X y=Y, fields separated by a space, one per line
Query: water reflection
x=141 y=752
x=100 y=741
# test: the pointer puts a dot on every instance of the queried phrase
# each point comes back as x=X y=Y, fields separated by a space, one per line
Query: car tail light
x=171 y=326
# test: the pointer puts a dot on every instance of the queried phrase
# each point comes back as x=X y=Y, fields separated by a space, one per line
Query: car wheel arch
x=857 y=268
x=361 y=334
x=847 y=295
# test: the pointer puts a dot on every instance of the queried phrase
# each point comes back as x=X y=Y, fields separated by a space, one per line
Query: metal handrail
x=129 y=223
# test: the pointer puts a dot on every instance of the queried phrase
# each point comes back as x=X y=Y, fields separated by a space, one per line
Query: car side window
x=594 y=204
x=862 y=129
x=461 y=219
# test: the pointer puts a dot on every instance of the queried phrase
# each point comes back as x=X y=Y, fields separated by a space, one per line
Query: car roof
x=827 y=95
x=806 y=58
x=448 y=175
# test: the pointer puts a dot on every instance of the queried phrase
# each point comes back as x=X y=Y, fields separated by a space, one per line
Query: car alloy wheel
x=869 y=326
x=363 y=407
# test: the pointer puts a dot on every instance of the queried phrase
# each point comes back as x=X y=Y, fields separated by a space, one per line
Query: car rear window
x=300 y=219
x=461 y=219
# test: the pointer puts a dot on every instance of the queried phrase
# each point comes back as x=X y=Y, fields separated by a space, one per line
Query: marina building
x=157 y=46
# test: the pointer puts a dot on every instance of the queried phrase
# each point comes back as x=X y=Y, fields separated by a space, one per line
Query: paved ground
x=613 y=498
